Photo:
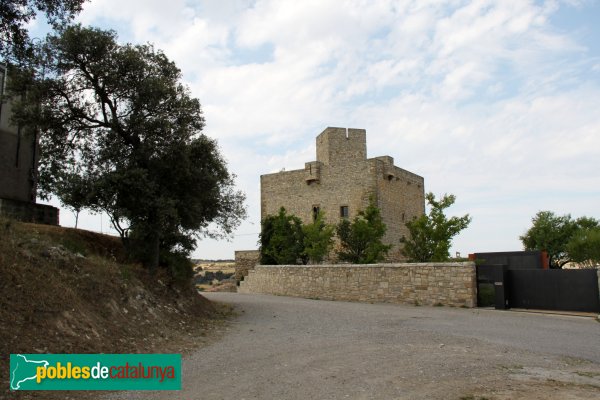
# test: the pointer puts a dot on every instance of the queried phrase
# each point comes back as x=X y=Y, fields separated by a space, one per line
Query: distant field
x=223 y=266
x=201 y=269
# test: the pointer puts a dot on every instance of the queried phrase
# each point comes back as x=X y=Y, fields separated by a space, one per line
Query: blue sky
x=493 y=101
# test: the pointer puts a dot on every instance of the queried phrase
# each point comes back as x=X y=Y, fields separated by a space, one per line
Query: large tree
x=15 y=44
x=431 y=234
x=553 y=233
x=121 y=115
x=360 y=240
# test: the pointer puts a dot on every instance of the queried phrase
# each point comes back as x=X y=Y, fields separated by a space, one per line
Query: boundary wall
x=245 y=260
x=29 y=212
x=448 y=284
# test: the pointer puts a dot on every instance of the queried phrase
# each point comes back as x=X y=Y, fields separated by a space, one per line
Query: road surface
x=290 y=348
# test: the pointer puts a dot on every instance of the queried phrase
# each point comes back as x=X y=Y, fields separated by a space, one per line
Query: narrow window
x=315 y=212
x=344 y=211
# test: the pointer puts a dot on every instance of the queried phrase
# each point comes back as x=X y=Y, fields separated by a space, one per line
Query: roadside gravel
x=290 y=348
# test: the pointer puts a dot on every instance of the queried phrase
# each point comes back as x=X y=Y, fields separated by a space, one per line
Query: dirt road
x=289 y=348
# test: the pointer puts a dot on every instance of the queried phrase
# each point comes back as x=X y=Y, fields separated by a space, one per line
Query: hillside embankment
x=67 y=290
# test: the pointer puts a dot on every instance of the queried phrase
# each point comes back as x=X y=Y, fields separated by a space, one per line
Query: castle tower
x=341 y=182
x=341 y=146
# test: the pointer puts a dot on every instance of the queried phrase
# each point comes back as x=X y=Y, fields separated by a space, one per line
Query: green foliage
x=553 y=233
x=360 y=240
x=179 y=266
x=120 y=117
x=431 y=234
x=318 y=239
x=208 y=276
x=15 y=43
x=584 y=247
x=75 y=191
x=282 y=240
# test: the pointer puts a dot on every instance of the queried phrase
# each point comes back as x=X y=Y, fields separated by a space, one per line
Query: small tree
x=318 y=239
x=360 y=240
x=584 y=247
x=551 y=233
x=431 y=234
x=282 y=240
x=75 y=192
x=563 y=238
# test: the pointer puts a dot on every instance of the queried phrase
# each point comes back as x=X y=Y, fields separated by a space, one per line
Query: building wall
x=29 y=212
x=401 y=198
x=448 y=284
x=19 y=153
x=245 y=260
x=343 y=176
x=18 y=156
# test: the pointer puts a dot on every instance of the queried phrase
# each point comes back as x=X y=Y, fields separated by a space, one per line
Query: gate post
x=598 y=274
x=500 y=287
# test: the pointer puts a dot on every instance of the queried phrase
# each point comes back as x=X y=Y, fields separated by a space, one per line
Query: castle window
x=344 y=212
x=315 y=212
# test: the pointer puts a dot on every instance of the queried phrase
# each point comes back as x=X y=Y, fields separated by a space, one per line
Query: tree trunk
x=153 y=251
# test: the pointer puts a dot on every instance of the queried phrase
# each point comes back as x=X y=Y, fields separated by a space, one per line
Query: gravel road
x=290 y=348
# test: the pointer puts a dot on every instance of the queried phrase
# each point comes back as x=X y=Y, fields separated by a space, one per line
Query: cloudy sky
x=496 y=102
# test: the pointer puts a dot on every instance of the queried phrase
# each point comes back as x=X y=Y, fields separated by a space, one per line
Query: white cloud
x=485 y=99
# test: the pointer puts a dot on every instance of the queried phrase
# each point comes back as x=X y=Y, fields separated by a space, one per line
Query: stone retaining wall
x=245 y=260
x=29 y=212
x=448 y=284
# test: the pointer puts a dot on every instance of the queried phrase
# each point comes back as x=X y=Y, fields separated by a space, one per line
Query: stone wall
x=29 y=212
x=245 y=260
x=400 y=197
x=18 y=159
x=448 y=284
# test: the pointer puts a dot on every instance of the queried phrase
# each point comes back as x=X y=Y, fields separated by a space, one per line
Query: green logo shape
x=95 y=372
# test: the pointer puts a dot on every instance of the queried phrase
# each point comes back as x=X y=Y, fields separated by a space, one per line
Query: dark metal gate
x=521 y=279
x=543 y=289
x=554 y=289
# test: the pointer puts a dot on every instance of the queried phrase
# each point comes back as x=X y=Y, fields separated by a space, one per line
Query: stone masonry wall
x=29 y=212
x=18 y=159
x=449 y=284
x=400 y=197
x=245 y=260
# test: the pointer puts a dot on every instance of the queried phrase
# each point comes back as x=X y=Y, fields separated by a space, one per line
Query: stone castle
x=340 y=183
